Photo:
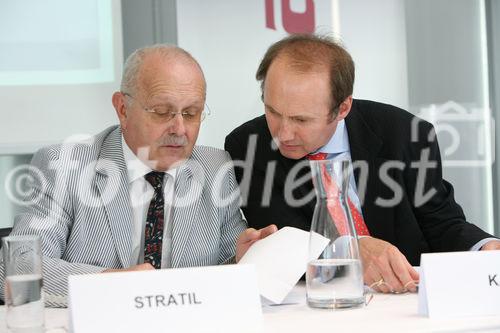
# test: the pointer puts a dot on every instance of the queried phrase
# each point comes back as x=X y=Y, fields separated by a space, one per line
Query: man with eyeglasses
x=307 y=83
x=141 y=195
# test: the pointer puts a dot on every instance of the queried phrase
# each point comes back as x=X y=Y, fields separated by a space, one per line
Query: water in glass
x=23 y=284
x=334 y=283
x=24 y=301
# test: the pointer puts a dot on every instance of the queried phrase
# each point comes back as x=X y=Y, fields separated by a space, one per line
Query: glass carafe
x=335 y=279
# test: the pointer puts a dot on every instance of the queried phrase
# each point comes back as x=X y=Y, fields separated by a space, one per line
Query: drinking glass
x=23 y=284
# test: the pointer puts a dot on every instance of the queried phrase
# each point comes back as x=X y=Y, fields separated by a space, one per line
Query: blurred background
x=60 y=62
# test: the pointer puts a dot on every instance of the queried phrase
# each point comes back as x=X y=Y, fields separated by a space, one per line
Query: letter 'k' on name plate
x=459 y=284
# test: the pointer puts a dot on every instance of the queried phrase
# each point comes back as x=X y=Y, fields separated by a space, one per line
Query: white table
x=385 y=313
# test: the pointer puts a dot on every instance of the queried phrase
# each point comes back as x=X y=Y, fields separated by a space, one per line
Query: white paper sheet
x=281 y=259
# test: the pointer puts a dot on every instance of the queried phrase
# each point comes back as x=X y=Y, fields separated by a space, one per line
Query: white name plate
x=203 y=299
x=459 y=284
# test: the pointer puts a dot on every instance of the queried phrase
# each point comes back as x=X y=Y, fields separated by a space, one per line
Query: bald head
x=136 y=66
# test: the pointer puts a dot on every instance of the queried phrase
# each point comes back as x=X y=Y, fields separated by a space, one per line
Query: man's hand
x=250 y=236
x=141 y=267
x=385 y=268
x=491 y=245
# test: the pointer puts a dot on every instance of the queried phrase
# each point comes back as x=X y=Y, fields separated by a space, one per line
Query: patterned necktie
x=154 y=221
x=334 y=206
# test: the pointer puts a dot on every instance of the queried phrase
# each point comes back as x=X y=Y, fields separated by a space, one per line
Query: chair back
x=3 y=233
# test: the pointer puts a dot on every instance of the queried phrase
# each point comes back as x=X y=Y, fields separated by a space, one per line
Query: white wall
x=374 y=32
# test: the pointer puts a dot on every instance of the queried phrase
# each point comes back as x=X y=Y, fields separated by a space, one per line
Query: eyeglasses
x=163 y=112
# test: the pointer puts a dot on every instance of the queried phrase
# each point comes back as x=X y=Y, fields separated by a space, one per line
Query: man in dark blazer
x=408 y=208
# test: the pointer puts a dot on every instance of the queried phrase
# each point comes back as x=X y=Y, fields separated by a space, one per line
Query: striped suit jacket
x=81 y=209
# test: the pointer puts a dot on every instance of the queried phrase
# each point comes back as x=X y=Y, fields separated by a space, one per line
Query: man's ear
x=345 y=108
x=118 y=101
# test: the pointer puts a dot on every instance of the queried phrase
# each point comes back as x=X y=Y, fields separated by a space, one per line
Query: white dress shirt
x=141 y=193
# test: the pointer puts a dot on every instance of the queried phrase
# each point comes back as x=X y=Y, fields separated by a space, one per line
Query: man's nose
x=177 y=125
x=285 y=132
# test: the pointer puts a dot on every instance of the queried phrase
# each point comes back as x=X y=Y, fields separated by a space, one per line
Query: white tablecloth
x=385 y=313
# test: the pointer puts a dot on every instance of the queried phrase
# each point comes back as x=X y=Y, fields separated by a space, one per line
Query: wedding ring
x=377 y=283
x=408 y=283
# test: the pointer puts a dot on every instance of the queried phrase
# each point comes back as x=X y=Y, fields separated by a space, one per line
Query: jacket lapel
x=112 y=185
x=188 y=190
x=365 y=147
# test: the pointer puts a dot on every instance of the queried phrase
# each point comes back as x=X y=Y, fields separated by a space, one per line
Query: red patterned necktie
x=334 y=206
x=154 y=221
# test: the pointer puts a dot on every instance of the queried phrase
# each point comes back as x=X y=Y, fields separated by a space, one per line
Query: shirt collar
x=136 y=168
x=339 y=142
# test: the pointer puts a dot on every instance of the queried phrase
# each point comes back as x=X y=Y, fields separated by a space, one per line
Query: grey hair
x=134 y=62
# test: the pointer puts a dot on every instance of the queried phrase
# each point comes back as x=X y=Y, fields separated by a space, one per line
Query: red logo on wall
x=292 y=22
